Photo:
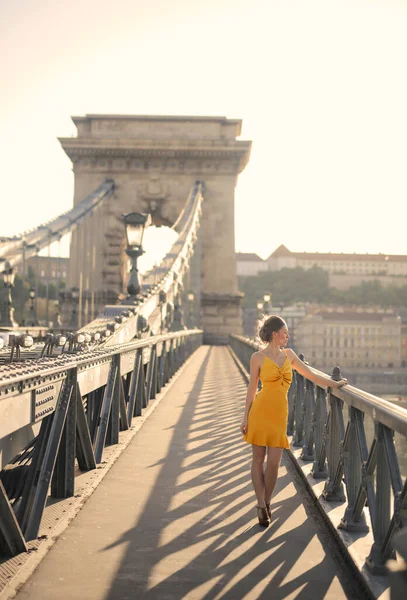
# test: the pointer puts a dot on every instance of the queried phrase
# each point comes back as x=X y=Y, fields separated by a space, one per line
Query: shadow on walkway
x=197 y=536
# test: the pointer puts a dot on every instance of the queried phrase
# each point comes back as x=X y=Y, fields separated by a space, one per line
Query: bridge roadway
x=174 y=517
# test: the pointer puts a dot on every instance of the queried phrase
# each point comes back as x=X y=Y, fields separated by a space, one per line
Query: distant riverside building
x=357 y=338
x=49 y=268
x=403 y=315
x=250 y=264
x=361 y=265
x=345 y=264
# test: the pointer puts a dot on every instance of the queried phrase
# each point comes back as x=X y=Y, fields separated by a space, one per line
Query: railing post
x=94 y=417
x=63 y=479
x=299 y=409
x=45 y=463
x=105 y=412
x=291 y=404
x=150 y=374
x=309 y=406
x=113 y=430
x=319 y=424
x=353 y=478
x=333 y=490
x=134 y=408
x=84 y=446
x=124 y=422
x=159 y=369
x=163 y=365
x=170 y=357
x=367 y=468
x=375 y=561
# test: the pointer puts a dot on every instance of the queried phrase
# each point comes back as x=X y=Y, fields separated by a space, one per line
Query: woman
x=264 y=424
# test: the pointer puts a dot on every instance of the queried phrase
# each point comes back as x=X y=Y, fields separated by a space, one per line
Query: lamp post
x=191 y=300
x=33 y=315
x=135 y=224
x=75 y=299
x=162 y=296
x=57 y=322
x=267 y=302
x=7 y=318
x=61 y=300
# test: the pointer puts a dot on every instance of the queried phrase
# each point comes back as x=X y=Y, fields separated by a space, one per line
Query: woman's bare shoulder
x=291 y=355
x=257 y=357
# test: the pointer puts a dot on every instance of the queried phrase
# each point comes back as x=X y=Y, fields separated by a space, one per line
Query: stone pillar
x=154 y=162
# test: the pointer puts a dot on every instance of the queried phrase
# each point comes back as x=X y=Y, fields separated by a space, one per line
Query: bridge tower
x=154 y=161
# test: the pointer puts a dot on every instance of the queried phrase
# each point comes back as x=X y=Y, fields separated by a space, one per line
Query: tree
x=299 y=285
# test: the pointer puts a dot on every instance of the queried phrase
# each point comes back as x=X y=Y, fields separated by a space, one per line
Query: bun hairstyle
x=268 y=325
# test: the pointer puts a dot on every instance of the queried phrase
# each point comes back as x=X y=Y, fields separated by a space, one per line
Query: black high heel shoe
x=263 y=517
x=268 y=511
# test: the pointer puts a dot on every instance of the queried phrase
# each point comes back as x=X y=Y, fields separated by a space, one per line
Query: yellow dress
x=267 y=423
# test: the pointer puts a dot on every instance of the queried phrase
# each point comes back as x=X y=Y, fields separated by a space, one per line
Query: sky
x=320 y=86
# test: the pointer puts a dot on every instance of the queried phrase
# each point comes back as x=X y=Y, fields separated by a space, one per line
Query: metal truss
x=81 y=405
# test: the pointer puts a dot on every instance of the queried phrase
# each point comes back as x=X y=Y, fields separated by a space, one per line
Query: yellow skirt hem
x=270 y=443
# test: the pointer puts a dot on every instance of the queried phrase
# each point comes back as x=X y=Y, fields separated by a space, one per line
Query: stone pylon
x=154 y=161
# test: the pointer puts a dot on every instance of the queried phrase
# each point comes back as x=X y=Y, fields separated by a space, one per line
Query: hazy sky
x=320 y=85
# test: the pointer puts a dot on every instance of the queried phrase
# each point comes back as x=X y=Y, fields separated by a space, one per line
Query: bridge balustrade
x=81 y=402
x=356 y=474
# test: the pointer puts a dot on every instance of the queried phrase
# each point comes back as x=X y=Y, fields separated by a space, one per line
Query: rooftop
x=355 y=316
x=248 y=257
x=342 y=256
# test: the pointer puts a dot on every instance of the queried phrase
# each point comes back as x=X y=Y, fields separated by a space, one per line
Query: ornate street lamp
x=178 y=318
x=75 y=301
x=7 y=318
x=61 y=300
x=135 y=224
x=191 y=300
x=33 y=315
x=267 y=302
x=57 y=322
x=162 y=297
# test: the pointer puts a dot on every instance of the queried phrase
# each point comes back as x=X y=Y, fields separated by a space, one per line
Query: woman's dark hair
x=268 y=325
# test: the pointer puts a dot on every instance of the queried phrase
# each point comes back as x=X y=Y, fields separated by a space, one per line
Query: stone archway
x=154 y=162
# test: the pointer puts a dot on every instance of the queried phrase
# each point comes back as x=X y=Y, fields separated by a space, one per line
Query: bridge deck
x=174 y=517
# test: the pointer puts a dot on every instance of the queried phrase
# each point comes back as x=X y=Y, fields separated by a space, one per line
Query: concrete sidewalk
x=174 y=517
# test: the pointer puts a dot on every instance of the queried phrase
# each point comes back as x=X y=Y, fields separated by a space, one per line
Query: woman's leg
x=259 y=452
x=270 y=475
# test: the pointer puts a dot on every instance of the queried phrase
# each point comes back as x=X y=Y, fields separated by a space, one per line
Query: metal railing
x=80 y=402
x=364 y=478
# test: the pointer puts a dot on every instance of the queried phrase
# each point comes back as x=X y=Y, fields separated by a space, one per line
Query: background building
x=341 y=264
x=344 y=270
x=249 y=264
x=51 y=269
x=355 y=338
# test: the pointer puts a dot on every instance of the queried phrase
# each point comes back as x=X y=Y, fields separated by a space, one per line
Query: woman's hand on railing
x=338 y=384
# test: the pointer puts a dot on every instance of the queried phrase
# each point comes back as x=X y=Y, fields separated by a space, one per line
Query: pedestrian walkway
x=174 y=518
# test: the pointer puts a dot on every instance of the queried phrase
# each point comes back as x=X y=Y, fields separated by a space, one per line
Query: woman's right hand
x=243 y=425
x=341 y=382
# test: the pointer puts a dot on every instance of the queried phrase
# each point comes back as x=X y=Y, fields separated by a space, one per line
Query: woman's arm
x=303 y=369
x=251 y=388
